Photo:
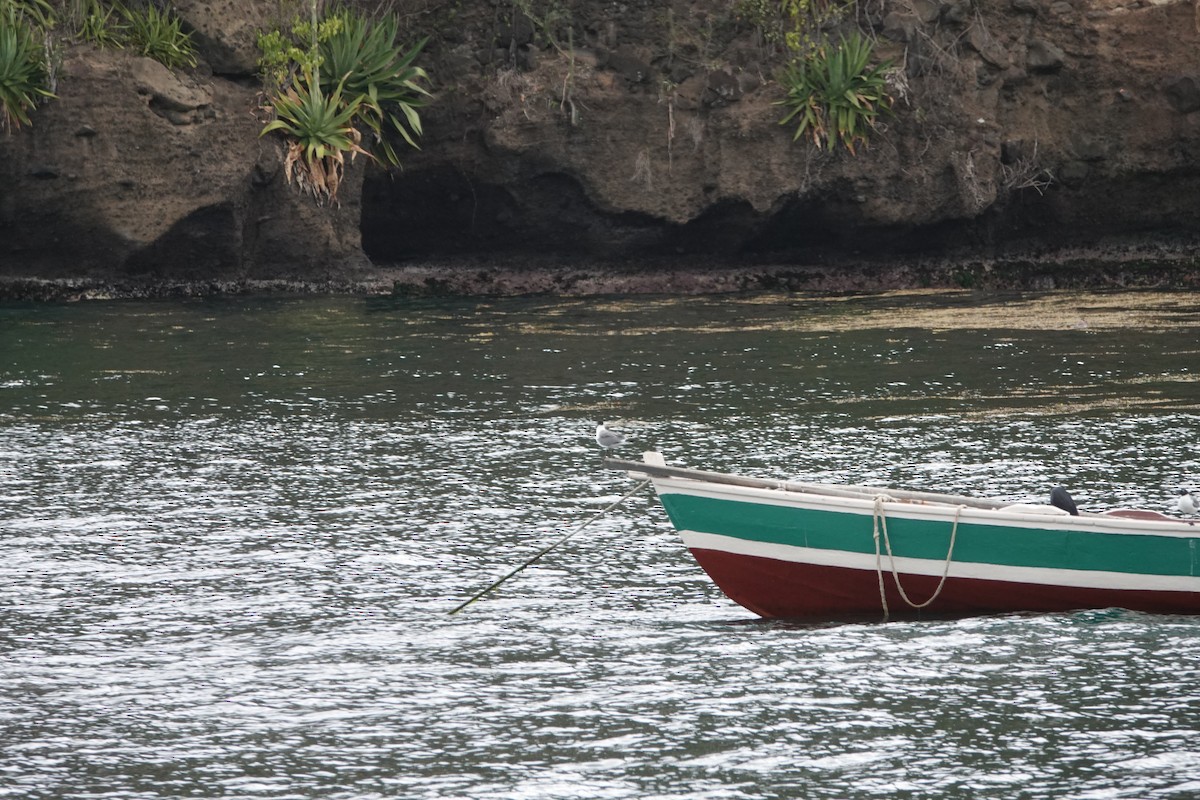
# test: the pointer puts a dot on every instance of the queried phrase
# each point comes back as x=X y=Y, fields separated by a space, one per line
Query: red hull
x=785 y=589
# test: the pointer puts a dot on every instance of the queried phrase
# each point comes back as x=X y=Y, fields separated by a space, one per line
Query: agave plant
x=834 y=96
x=321 y=130
x=363 y=54
x=22 y=71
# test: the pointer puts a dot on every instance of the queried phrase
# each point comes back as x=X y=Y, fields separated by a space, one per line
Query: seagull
x=1188 y=503
x=1060 y=499
x=608 y=439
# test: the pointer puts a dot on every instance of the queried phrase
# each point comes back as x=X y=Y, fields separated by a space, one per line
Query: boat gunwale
x=861 y=500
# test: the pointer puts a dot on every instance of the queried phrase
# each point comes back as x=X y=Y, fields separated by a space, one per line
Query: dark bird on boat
x=1187 y=502
x=1060 y=499
x=608 y=439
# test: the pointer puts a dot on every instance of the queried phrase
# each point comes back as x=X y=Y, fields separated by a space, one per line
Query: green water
x=232 y=531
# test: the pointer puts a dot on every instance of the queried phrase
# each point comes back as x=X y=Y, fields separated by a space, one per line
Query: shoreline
x=574 y=277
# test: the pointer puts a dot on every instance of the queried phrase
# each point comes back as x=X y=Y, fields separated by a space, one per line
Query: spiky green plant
x=364 y=55
x=159 y=35
x=833 y=95
x=22 y=68
x=99 y=23
x=37 y=14
x=320 y=129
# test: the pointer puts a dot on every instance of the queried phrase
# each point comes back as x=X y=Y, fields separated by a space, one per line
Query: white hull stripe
x=919 y=566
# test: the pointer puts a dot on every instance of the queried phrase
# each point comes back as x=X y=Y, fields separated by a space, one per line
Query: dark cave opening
x=442 y=214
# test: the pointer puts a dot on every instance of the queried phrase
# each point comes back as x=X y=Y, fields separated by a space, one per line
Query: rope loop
x=879 y=526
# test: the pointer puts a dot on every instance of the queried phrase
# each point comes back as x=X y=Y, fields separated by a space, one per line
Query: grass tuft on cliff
x=97 y=22
x=158 y=35
x=141 y=26
x=834 y=95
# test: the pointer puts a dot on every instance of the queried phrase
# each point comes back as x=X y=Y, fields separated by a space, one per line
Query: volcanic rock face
x=629 y=131
x=137 y=172
x=1020 y=125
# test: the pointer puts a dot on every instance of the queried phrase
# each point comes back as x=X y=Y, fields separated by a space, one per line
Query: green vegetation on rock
x=96 y=22
x=834 y=95
x=29 y=47
x=364 y=55
x=791 y=23
x=157 y=35
x=23 y=69
x=348 y=92
x=320 y=129
x=142 y=27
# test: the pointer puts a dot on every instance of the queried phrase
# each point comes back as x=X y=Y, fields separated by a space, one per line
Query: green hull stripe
x=984 y=544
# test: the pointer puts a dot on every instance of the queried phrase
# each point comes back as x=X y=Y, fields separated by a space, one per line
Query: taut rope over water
x=543 y=552
x=880 y=523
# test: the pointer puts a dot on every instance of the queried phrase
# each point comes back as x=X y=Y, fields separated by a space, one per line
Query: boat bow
x=797 y=549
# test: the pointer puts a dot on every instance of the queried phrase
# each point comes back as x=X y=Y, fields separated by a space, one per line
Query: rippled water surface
x=232 y=531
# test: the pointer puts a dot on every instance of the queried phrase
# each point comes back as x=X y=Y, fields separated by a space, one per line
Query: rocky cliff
x=642 y=136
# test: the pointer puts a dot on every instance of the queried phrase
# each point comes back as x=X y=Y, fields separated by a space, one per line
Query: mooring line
x=543 y=552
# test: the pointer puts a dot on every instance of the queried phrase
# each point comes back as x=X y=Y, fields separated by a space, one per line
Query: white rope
x=880 y=523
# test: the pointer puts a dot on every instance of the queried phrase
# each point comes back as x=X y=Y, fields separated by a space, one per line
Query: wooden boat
x=801 y=550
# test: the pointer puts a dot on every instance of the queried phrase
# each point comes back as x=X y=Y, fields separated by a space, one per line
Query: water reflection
x=232 y=530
